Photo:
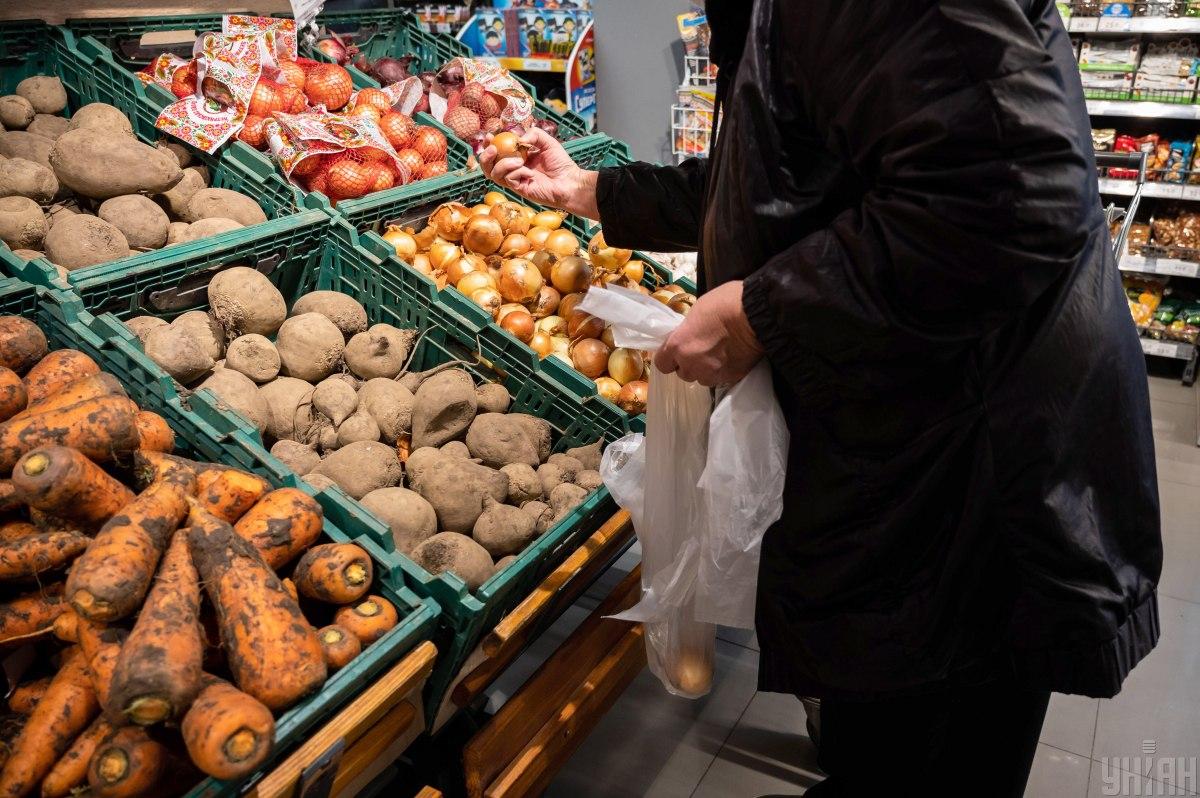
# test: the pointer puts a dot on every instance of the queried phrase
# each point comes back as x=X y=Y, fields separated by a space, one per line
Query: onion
x=537 y=236
x=451 y=75
x=607 y=337
x=584 y=325
x=546 y=302
x=442 y=254
x=608 y=388
x=567 y=305
x=426 y=237
x=509 y=145
x=473 y=281
x=520 y=324
x=515 y=245
x=462 y=267
x=333 y=49
x=571 y=274
x=682 y=303
x=494 y=198
x=562 y=243
x=610 y=259
x=562 y=348
x=391 y=70
x=551 y=220
x=625 y=365
x=634 y=270
x=541 y=343
x=420 y=262
x=552 y=325
x=482 y=209
x=548 y=125
x=510 y=217
x=404 y=244
x=507 y=308
x=527 y=214
x=663 y=295
x=672 y=288
x=590 y=357
x=482 y=235
x=520 y=280
x=450 y=219
x=544 y=261
x=488 y=299
x=633 y=396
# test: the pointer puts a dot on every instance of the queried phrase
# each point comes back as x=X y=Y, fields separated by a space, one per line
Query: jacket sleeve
x=643 y=206
x=963 y=121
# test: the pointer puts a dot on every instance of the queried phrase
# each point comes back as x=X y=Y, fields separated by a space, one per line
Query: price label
x=1110 y=186
x=1084 y=24
x=1159 y=348
x=1163 y=190
x=1115 y=24
x=1191 y=192
x=537 y=65
x=1175 y=268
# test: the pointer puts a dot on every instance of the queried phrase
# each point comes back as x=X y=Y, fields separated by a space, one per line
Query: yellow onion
x=541 y=343
x=459 y=269
x=681 y=303
x=571 y=274
x=608 y=278
x=634 y=270
x=566 y=305
x=610 y=259
x=552 y=325
x=520 y=324
x=473 y=281
x=404 y=243
x=673 y=288
x=607 y=337
x=520 y=280
x=609 y=388
x=439 y=280
x=482 y=209
x=551 y=220
x=584 y=325
x=515 y=245
x=633 y=396
x=425 y=238
x=508 y=214
x=562 y=243
x=507 y=308
x=544 y=262
x=488 y=299
x=527 y=214
x=626 y=365
x=493 y=197
x=482 y=235
x=590 y=357
x=562 y=348
x=662 y=295
x=545 y=304
x=442 y=254
x=537 y=237
x=450 y=220
x=420 y=262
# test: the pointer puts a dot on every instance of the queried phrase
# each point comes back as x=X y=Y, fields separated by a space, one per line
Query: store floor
x=737 y=742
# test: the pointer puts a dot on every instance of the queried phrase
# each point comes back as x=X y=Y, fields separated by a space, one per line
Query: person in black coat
x=901 y=215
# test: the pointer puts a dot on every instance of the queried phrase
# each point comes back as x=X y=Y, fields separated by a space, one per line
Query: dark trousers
x=976 y=740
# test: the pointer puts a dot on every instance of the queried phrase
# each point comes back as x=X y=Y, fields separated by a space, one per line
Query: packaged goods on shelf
x=1108 y=55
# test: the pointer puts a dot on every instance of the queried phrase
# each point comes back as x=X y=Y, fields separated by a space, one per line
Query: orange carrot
x=66 y=709
x=13 y=396
x=22 y=343
x=273 y=652
x=368 y=620
x=228 y=733
x=46 y=551
x=56 y=371
x=290 y=587
x=61 y=481
x=101 y=429
x=71 y=771
x=25 y=696
x=66 y=626
x=101 y=647
x=231 y=493
x=282 y=525
x=10 y=729
x=337 y=573
x=111 y=578
x=90 y=387
x=127 y=764
x=8 y=496
x=16 y=530
x=31 y=613
x=147 y=465
x=154 y=433
x=339 y=645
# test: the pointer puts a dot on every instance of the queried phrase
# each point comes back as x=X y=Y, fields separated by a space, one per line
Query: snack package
x=1124 y=144
x=1194 y=177
x=1178 y=161
x=1118 y=10
x=1103 y=139
x=1186 y=325
x=1120 y=55
x=1163 y=317
x=1144 y=295
x=1139 y=236
x=1165 y=230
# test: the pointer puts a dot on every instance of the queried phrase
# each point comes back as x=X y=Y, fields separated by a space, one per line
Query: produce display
x=462 y=483
x=1161 y=310
x=529 y=272
x=128 y=573
x=84 y=190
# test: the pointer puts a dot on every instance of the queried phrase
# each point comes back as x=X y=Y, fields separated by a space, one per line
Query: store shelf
x=1134 y=25
x=1172 y=267
x=1146 y=110
x=1175 y=191
x=1178 y=350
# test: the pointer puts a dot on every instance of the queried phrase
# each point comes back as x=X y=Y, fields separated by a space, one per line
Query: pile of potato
x=84 y=191
x=463 y=484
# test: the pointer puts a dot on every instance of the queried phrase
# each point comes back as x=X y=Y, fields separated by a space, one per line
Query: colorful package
x=1178 y=162
x=1103 y=139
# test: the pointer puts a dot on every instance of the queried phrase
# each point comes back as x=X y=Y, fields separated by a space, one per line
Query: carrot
x=128 y=763
x=8 y=496
x=101 y=647
x=158 y=673
x=56 y=371
x=339 y=646
x=283 y=524
x=290 y=587
x=111 y=578
x=61 y=481
x=149 y=464
x=368 y=620
x=90 y=387
x=10 y=729
x=154 y=433
x=31 y=613
x=231 y=493
x=16 y=530
x=273 y=652
x=25 y=696
x=337 y=573
x=13 y=396
x=71 y=771
x=101 y=429
x=46 y=551
x=66 y=709
x=22 y=343
x=228 y=733
x=66 y=626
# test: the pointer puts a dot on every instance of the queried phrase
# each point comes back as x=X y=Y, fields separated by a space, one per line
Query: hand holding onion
x=547 y=175
x=715 y=344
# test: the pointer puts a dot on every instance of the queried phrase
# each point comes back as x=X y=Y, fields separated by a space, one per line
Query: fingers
x=487 y=159
x=539 y=138
x=664 y=358
x=511 y=172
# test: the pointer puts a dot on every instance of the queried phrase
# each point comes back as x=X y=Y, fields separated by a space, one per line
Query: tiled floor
x=737 y=742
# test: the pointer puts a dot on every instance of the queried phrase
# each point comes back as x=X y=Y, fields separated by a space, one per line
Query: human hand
x=548 y=176
x=715 y=345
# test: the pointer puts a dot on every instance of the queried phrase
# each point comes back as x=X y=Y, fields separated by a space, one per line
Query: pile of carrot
x=164 y=604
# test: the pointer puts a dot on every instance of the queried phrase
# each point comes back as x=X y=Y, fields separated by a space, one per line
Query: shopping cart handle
x=1124 y=160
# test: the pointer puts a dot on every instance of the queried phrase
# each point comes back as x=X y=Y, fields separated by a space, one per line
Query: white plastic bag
x=701 y=487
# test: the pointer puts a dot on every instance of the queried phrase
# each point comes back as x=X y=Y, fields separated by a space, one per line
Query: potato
x=420 y=459
x=143 y=223
x=28 y=254
x=504 y=562
x=493 y=398
x=335 y=399
x=61 y=210
x=503 y=530
x=327 y=437
x=177 y=353
x=80 y=241
x=381 y=351
x=497 y=439
x=291 y=412
x=238 y=392
x=22 y=225
x=589 y=480
x=455 y=449
x=22 y=178
x=456 y=554
x=296 y=456
x=456 y=488
x=177 y=233
x=406 y=513
x=310 y=347
x=30 y=146
x=362 y=467
x=444 y=406
x=209 y=227
x=359 y=427
x=244 y=301
x=102 y=117
x=142 y=325
x=523 y=483
x=223 y=203
x=551 y=476
x=175 y=199
x=390 y=404
x=319 y=481
x=588 y=456
x=15 y=112
x=205 y=330
x=565 y=498
x=45 y=93
x=539 y=431
x=542 y=515
x=344 y=311
x=569 y=465
x=178 y=150
x=49 y=126
x=94 y=163
x=254 y=356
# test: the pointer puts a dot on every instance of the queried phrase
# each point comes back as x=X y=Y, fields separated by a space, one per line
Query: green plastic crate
x=597 y=150
x=66 y=324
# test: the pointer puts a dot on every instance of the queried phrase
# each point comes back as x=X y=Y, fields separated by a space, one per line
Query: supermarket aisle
x=737 y=742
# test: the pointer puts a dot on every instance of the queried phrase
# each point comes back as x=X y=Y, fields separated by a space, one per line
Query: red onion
x=391 y=70
x=427 y=79
x=477 y=141
x=451 y=75
x=515 y=127
x=548 y=125
x=334 y=49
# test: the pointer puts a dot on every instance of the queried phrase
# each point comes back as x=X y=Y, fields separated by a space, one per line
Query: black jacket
x=908 y=191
